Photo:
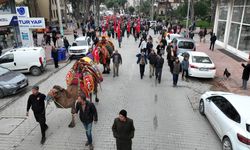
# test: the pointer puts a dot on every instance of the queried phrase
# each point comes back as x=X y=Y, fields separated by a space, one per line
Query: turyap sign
x=26 y=25
x=31 y=23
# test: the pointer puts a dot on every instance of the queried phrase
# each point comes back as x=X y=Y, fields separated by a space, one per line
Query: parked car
x=200 y=65
x=170 y=37
x=11 y=82
x=25 y=59
x=182 y=44
x=80 y=47
x=229 y=115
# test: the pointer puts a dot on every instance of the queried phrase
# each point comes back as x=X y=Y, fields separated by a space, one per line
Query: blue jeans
x=175 y=79
x=88 y=128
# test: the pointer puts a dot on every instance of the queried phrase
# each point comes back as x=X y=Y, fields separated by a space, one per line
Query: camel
x=65 y=98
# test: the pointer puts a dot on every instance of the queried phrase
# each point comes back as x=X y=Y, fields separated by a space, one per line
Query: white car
x=200 y=65
x=80 y=47
x=229 y=115
x=25 y=59
x=170 y=37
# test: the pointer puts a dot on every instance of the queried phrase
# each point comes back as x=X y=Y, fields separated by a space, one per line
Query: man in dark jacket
x=54 y=53
x=245 y=74
x=36 y=102
x=123 y=130
x=66 y=43
x=158 y=67
x=87 y=115
x=117 y=60
x=1 y=50
x=142 y=61
x=160 y=49
x=212 y=42
x=152 y=60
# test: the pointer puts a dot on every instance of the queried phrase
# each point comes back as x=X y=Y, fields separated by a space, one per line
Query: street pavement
x=165 y=118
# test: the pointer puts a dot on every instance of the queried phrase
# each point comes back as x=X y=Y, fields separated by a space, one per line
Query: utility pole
x=59 y=16
x=188 y=14
x=152 y=9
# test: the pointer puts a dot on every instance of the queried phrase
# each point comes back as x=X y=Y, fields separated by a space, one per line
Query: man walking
x=117 y=60
x=142 y=61
x=152 y=57
x=36 y=102
x=123 y=131
x=176 y=71
x=245 y=74
x=212 y=40
x=87 y=115
x=184 y=66
x=1 y=50
x=158 y=68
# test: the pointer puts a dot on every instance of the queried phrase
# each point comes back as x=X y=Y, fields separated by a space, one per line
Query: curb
x=29 y=87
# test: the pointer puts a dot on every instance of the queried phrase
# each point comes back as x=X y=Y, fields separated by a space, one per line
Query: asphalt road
x=165 y=118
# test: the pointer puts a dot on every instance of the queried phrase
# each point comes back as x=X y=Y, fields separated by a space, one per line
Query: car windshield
x=186 y=45
x=82 y=43
x=201 y=59
x=3 y=71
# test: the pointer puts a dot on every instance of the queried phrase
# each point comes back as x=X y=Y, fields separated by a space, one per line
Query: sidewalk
x=234 y=82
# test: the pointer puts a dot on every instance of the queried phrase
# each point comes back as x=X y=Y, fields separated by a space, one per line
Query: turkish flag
x=138 y=26
x=118 y=31
x=95 y=53
x=128 y=26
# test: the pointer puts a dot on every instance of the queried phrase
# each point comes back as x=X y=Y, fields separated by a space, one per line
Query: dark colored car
x=11 y=82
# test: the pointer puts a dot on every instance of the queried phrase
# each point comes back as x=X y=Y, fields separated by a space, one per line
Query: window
x=201 y=59
x=186 y=45
x=223 y=13
x=234 y=34
x=237 y=13
x=238 y=2
x=245 y=38
x=221 y=30
x=247 y=15
x=7 y=59
x=226 y=107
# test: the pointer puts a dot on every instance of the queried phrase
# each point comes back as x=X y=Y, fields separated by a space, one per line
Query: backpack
x=142 y=61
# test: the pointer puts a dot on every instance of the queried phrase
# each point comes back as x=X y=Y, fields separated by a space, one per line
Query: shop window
x=5 y=7
x=248 y=2
x=221 y=30
x=223 y=13
x=239 y=2
x=247 y=15
x=237 y=13
x=245 y=38
x=234 y=34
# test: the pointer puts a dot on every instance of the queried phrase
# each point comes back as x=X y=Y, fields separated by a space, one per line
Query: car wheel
x=226 y=144
x=202 y=107
x=35 y=71
x=1 y=94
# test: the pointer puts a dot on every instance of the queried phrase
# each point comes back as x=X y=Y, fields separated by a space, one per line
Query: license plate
x=23 y=85
x=203 y=69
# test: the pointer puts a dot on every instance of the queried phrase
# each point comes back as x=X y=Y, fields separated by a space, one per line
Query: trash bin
x=61 y=54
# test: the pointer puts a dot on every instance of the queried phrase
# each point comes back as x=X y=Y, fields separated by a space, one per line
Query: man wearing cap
x=87 y=115
x=123 y=130
x=36 y=102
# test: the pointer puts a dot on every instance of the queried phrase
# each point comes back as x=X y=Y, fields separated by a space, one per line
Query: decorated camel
x=83 y=77
x=106 y=49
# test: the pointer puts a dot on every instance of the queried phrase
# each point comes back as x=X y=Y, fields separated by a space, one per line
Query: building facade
x=9 y=32
x=232 y=26
x=44 y=5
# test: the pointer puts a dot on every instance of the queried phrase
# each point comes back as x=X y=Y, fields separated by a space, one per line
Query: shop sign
x=22 y=12
x=31 y=23
x=8 y=19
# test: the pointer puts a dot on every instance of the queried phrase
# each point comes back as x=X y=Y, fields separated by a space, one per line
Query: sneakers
x=91 y=147
x=87 y=143
x=43 y=140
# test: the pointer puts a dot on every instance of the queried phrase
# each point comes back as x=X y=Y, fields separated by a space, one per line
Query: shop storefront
x=9 y=32
x=232 y=26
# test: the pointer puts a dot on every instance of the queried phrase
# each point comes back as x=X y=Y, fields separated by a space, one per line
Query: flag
x=118 y=31
x=128 y=26
x=96 y=56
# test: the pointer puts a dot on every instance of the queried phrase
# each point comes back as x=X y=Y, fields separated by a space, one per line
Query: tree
x=145 y=8
x=131 y=10
x=201 y=9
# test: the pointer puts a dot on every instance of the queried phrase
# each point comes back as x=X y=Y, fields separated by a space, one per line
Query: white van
x=25 y=59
